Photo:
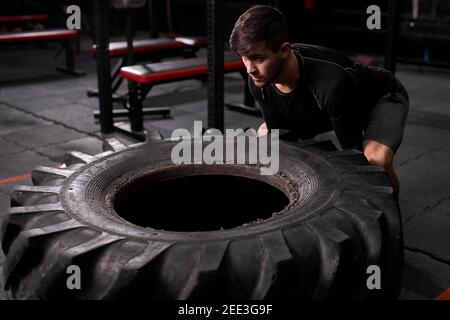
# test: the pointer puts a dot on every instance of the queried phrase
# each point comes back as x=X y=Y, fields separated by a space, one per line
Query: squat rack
x=215 y=65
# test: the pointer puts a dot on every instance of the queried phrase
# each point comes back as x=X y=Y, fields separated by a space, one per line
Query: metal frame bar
x=152 y=19
x=70 y=47
x=103 y=65
x=215 y=65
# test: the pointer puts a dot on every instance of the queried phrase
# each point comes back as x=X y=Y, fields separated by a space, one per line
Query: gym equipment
x=142 y=78
x=216 y=103
x=106 y=115
x=314 y=231
x=215 y=63
x=24 y=18
x=147 y=49
x=65 y=36
x=153 y=49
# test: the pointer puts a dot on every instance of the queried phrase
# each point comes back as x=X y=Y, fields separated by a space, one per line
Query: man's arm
x=347 y=131
x=380 y=155
x=262 y=130
x=340 y=106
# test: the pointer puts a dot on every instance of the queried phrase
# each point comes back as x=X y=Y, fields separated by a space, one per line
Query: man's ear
x=285 y=49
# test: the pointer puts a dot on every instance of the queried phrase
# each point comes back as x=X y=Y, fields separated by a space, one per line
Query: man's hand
x=381 y=155
x=262 y=130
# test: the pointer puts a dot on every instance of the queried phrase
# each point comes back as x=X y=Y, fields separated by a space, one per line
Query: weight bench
x=24 y=18
x=65 y=36
x=148 y=49
x=143 y=77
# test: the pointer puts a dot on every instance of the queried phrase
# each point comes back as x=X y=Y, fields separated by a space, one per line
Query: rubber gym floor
x=44 y=113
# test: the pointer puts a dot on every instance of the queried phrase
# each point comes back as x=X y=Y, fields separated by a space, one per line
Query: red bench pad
x=119 y=48
x=37 y=35
x=31 y=17
x=176 y=70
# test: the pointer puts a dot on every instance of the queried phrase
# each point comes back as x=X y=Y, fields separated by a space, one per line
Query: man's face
x=263 y=65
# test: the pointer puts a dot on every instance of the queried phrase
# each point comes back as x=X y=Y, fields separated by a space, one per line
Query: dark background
x=334 y=23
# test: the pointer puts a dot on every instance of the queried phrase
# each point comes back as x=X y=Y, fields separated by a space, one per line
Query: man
x=311 y=89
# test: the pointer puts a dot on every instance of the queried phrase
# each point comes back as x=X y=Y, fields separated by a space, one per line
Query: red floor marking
x=16 y=178
x=444 y=295
x=24 y=176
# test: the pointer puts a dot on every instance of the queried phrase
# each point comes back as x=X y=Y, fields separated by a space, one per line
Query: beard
x=260 y=82
x=272 y=75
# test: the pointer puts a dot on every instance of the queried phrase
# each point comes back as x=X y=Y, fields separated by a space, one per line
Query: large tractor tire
x=140 y=227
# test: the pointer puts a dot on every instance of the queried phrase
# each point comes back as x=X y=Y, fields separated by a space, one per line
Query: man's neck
x=289 y=75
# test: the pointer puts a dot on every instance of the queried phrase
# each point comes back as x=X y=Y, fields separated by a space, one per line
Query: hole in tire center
x=198 y=203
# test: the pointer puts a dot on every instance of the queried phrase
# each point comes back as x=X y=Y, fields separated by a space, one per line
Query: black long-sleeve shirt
x=333 y=93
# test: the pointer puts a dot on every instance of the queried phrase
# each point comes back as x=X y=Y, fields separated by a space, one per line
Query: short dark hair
x=260 y=23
